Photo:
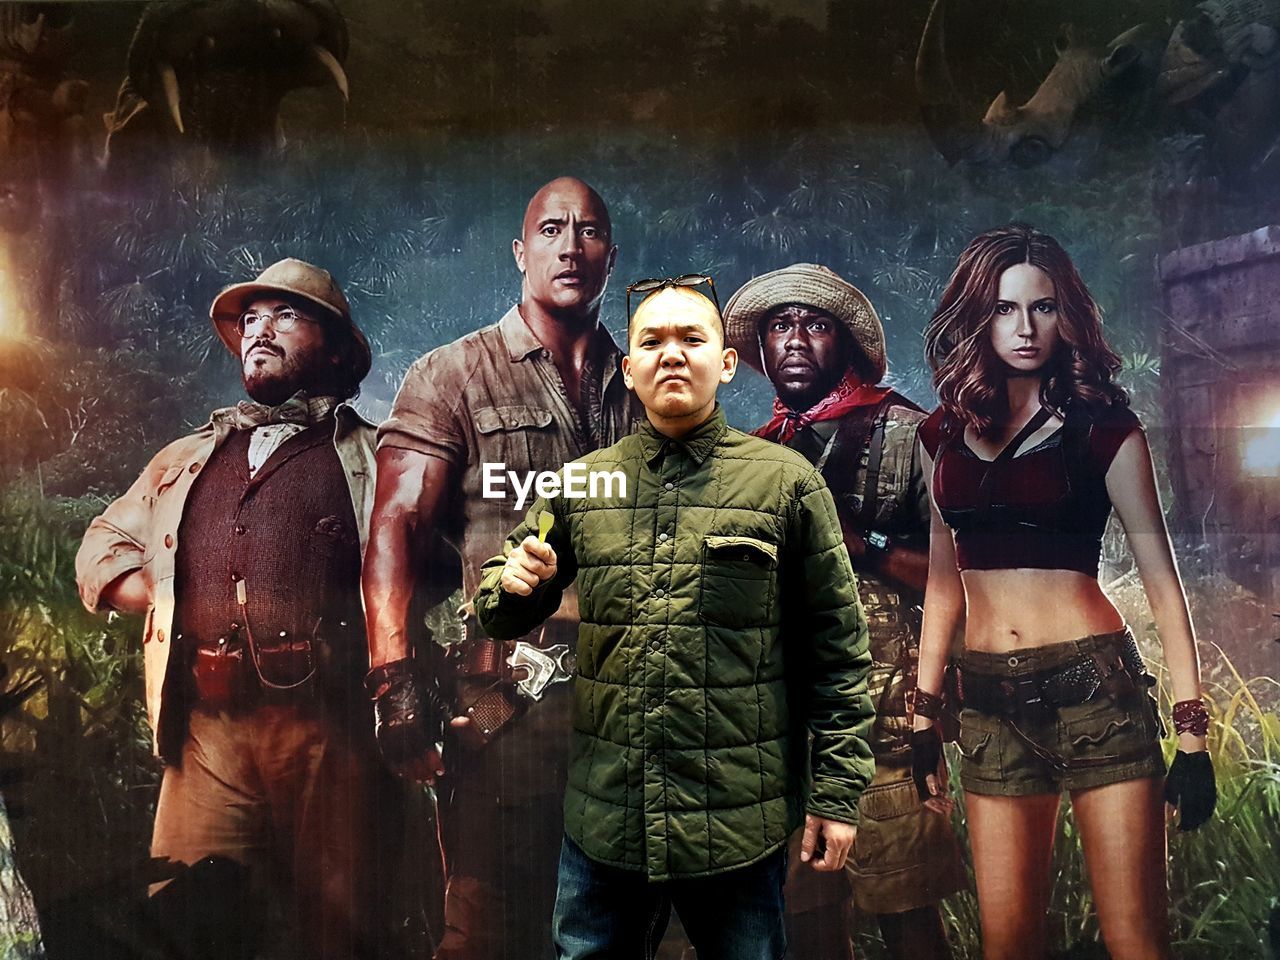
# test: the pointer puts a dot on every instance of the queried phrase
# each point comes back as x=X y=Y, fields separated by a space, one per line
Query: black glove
x=926 y=757
x=409 y=713
x=1190 y=786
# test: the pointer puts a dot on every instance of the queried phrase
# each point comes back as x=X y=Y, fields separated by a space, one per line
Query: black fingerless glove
x=926 y=757
x=409 y=713
x=1190 y=786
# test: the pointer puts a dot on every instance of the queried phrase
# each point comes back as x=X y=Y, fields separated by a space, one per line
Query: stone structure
x=1220 y=366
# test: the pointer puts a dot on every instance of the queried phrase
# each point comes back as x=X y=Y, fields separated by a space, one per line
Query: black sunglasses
x=653 y=284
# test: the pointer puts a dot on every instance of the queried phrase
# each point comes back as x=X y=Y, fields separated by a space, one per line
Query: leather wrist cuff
x=378 y=680
x=927 y=705
x=1191 y=716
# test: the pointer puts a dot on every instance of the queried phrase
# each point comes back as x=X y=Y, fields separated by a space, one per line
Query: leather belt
x=1038 y=694
x=517 y=674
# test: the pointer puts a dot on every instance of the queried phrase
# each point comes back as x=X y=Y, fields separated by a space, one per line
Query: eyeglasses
x=281 y=320
x=653 y=284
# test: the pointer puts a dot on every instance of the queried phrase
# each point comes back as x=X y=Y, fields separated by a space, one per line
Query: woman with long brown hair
x=1030 y=448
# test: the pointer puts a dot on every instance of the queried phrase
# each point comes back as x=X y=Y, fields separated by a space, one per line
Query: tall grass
x=1224 y=879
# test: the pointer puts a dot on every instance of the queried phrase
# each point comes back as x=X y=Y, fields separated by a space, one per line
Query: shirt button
x=168 y=540
x=194 y=467
x=659 y=593
x=669 y=485
x=160 y=635
x=662 y=538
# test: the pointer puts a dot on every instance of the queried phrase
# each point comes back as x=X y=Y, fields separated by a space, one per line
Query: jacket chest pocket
x=739 y=580
x=510 y=434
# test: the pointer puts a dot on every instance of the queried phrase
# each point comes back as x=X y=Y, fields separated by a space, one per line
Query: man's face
x=805 y=351
x=280 y=356
x=565 y=251
x=677 y=358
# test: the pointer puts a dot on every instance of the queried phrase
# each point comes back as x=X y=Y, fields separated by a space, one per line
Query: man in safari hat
x=819 y=341
x=242 y=545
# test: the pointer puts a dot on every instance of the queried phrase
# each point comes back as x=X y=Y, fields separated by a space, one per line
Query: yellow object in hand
x=545 y=522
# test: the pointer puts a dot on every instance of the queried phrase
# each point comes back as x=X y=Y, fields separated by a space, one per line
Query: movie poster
x=354 y=184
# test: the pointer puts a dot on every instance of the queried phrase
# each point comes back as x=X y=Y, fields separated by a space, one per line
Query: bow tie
x=299 y=409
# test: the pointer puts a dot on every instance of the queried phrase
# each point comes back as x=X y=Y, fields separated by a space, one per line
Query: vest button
x=239 y=529
x=168 y=540
x=669 y=485
x=659 y=593
x=662 y=537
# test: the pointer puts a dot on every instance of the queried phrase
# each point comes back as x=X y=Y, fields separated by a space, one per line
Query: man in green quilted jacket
x=720 y=697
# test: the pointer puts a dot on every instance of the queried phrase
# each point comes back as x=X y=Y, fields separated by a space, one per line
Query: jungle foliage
x=725 y=138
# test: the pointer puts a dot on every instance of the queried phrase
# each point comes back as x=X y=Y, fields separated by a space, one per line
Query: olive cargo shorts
x=905 y=856
x=1106 y=739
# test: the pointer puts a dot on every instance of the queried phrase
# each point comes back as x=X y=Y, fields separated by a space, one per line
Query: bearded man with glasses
x=242 y=545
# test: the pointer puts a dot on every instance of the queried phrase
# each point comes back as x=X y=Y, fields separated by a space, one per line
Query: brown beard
x=299 y=371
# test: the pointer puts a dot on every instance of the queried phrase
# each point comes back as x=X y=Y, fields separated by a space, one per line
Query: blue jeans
x=603 y=913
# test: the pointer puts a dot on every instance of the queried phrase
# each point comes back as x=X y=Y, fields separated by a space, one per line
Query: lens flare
x=1262 y=448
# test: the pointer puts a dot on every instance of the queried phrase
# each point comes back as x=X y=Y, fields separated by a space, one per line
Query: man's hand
x=406 y=720
x=833 y=839
x=528 y=565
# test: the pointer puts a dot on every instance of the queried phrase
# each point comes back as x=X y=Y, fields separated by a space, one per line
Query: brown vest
x=289 y=533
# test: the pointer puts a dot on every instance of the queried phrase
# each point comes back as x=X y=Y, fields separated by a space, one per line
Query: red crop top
x=1046 y=508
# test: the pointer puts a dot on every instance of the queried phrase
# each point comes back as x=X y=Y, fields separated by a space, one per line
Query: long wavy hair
x=968 y=376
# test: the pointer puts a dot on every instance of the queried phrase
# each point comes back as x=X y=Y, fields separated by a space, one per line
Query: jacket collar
x=697 y=444
x=521 y=342
x=517 y=336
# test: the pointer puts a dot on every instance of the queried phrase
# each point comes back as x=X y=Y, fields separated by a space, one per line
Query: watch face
x=877 y=540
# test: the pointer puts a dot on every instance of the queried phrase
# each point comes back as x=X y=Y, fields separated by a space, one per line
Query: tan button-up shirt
x=495 y=396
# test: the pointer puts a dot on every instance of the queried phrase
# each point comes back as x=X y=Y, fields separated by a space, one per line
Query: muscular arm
x=409 y=500
x=1131 y=484
x=943 y=601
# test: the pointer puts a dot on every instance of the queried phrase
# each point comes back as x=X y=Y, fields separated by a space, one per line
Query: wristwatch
x=877 y=540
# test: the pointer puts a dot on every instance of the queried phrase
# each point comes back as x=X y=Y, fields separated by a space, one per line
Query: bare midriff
x=1016 y=609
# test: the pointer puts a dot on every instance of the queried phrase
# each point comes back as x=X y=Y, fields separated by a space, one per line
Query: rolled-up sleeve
x=116 y=542
x=424 y=416
x=836 y=655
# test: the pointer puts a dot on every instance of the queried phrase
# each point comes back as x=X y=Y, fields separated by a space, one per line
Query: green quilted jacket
x=721 y=627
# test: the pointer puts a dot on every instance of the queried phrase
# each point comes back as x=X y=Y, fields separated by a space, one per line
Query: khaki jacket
x=139 y=531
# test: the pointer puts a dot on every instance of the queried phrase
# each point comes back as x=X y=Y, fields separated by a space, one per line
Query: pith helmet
x=300 y=279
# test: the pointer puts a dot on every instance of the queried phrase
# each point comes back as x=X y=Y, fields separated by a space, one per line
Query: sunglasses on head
x=654 y=284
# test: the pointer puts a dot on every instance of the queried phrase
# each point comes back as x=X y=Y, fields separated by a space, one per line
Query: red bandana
x=848 y=394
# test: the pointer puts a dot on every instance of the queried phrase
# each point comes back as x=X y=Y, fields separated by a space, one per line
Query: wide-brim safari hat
x=810 y=285
x=300 y=279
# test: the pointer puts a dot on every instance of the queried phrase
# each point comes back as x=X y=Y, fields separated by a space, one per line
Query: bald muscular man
x=537 y=389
